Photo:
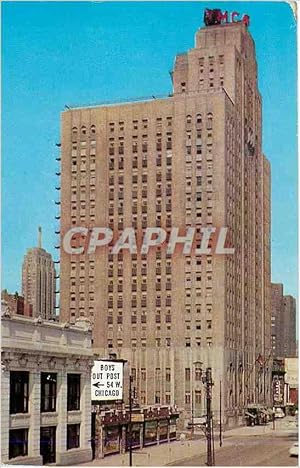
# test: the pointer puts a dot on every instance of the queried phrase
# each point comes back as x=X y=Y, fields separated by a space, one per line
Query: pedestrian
x=182 y=438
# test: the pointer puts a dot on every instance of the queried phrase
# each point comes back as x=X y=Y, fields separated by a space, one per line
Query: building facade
x=289 y=311
x=46 y=379
x=291 y=379
x=38 y=281
x=277 y=324
x=283 y=323
x=193 y=159
x=16 y=304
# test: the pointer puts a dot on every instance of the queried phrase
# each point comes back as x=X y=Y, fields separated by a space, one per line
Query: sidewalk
x=157 y=455
x=282 y=426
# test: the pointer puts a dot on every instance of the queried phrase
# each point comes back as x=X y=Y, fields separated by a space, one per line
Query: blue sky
x=80 y=53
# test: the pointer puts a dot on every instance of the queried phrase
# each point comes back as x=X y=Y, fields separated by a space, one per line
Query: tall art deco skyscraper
x=38 y=281
x=192 y=159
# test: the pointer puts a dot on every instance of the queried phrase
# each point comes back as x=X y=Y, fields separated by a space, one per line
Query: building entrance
x=48 y=444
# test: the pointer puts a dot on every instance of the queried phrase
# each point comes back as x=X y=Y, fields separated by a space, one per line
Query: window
x=209 y=341
x=198 y=373
x=73 y=401
x=187 y=398
x=18 y=443
x=187 y=373
x=19 y=383
x=198 y=397
x=168 y=374
x=48 y=391
x=73 y=436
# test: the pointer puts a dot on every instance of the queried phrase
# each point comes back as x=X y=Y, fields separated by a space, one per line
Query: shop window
x=19 y=392
x=48 y=391
x=73 y=399
x=18 y=443
x=73 y=436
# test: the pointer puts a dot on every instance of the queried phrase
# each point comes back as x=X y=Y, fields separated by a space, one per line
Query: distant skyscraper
x=289 y=340
x=38 y=280
x=283 y=323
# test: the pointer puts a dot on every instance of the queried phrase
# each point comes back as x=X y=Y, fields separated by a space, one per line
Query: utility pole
x=209 y=384
x=192 y=401
x=220 y=413
x=130 y=420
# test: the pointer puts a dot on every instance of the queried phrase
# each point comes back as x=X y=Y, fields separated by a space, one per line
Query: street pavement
x=253 y=446
x=249 y=451
x=242 y=446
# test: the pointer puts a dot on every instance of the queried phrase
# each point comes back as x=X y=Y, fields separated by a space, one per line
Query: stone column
x=123 y=440
x=5 y=416
x=99 y=435
x=61 y=408
x=35 y=413
x=86 y=410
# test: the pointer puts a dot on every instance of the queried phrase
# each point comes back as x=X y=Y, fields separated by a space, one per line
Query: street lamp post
x=208 y=384
x=130 y=420
x=221 y=414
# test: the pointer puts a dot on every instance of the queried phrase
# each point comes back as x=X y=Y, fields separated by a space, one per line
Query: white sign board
x=107 y=381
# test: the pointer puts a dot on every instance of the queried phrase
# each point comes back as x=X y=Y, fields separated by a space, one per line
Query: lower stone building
x=46 y=391
x=150 y=426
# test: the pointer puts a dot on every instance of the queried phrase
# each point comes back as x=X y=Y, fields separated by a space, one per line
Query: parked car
x=279 y=413
x=294 y=450
x=256 y=414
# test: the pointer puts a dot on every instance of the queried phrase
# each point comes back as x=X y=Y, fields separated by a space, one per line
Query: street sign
x=107 y=381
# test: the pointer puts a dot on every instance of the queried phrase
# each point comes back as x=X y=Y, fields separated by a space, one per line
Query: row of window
x=19 y=392
x=144 y=148
x=143 y=124
x=18 y=439
x=159 y=342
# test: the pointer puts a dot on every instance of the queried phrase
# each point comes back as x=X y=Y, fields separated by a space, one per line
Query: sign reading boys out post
x=107 y=381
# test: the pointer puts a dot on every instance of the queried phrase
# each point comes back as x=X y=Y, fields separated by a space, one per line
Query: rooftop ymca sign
x=216 y=16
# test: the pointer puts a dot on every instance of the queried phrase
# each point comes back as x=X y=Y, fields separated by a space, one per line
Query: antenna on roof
x=40 y=237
